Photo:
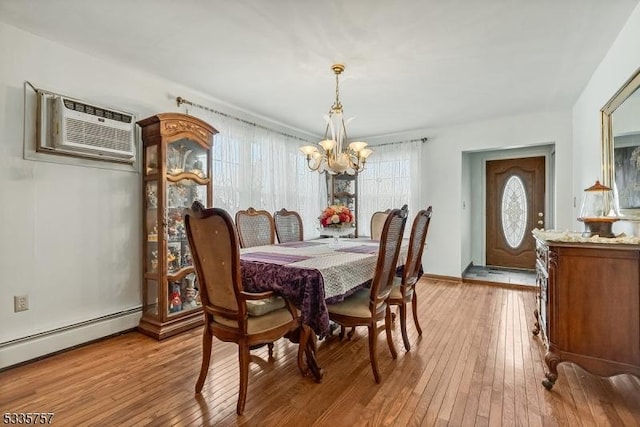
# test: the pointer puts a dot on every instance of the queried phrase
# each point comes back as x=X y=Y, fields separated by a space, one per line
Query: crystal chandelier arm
x=313 y=156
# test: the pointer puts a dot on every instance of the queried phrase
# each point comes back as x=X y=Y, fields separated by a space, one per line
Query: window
x=391 y=179
x=514 y=211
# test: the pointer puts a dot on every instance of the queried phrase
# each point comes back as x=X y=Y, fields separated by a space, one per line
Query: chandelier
x=336 y=157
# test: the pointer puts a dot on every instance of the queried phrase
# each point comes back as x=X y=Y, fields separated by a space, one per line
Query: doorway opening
x=509 y=193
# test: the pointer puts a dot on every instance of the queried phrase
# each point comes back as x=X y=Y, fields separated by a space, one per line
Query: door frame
x=546 y=151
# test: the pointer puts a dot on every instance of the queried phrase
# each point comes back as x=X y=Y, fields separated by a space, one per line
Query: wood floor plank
x=531 y=404
x=476 y=363
x=465 y=400
x=472 y=407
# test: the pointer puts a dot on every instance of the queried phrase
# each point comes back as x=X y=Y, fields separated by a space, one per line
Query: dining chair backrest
x=213 y=241
x=416 y=247
x=377 y=222
x=255 y=228
x=388 y=252
x=288 y=226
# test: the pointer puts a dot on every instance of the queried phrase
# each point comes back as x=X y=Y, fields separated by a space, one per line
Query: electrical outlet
x=20 y=303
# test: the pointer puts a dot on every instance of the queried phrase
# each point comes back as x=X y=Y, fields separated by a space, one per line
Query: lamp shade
x=357 y=145
x=308 y=150
x=327 y=144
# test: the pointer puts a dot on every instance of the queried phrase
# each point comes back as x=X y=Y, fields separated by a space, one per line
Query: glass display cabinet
x=177 y=172
x=343 y=190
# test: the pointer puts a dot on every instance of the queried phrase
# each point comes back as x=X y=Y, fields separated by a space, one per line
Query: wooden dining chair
x=377 y=222
x=231 y=314
x=403 y=291
x=255 y=228
x=288 y=226
x=367 y=306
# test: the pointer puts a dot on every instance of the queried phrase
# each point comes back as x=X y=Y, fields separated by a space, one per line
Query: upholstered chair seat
x=396 y=291
x=356 y=306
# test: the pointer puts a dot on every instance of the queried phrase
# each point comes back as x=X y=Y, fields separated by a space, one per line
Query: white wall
x=71 y=235
x=622 y=60
x=466 y=208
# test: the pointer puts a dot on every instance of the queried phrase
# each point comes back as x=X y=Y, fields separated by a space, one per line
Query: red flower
x=336 y=215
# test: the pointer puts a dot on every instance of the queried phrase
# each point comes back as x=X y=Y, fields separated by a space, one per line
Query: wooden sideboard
x=588 y=309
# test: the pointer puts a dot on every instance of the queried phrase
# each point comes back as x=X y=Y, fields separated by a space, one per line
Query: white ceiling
x=410 y=64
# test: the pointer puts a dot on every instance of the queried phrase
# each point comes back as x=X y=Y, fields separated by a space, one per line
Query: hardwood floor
x=477 y=363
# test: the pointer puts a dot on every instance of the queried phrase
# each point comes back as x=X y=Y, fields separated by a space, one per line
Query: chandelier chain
x=337 y=107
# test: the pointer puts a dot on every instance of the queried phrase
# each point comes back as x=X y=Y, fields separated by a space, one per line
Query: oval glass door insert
x=514 y=211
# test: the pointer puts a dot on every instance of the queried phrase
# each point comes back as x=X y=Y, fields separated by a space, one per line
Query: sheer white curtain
x=263 y=169
x=392 y=178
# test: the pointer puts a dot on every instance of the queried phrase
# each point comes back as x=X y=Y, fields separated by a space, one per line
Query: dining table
x=312 y=274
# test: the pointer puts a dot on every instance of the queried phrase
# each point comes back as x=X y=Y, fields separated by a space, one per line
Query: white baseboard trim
x=29 y=348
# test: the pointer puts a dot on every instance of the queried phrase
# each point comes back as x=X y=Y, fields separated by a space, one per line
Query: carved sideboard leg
x=552 y=360
x=536 y=329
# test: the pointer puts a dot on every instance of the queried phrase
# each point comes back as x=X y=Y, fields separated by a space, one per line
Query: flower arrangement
x=336 y=216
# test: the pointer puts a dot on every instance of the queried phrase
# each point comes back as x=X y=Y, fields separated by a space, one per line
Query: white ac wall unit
x=80 y=127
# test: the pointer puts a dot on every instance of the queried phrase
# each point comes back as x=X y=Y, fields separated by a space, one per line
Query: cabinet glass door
x=182 y=287
x=187 y=157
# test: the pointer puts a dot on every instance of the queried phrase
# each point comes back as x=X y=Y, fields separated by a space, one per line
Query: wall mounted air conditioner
x=83 y=128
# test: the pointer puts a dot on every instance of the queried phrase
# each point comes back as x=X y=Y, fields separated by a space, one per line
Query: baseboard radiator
x=28 y=348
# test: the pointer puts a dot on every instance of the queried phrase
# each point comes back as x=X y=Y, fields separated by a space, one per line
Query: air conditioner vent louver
x=86 y=128
x=97 y=135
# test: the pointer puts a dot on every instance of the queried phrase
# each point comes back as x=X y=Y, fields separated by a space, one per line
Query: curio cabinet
x=177 y=172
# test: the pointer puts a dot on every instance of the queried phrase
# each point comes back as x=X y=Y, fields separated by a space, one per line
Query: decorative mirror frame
x=608 y=172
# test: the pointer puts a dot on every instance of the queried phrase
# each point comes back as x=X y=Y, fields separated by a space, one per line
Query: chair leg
x=302 y=345
x=373 y=343
x=351 y=333
x=270 y=346
x=207 y=340
x=414 y=308
x=243 y=358
x=387 y=327
x=403 y=326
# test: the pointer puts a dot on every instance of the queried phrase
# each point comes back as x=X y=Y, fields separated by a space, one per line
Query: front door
x=515 y=206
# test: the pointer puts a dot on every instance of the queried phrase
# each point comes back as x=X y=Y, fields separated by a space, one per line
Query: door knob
x=540 y=222
x=540 y=214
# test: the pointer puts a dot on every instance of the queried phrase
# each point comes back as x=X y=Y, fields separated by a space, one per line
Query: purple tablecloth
x=280 y=268
x=303 y=287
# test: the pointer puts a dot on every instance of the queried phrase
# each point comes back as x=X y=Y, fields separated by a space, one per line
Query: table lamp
x=597 y=211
